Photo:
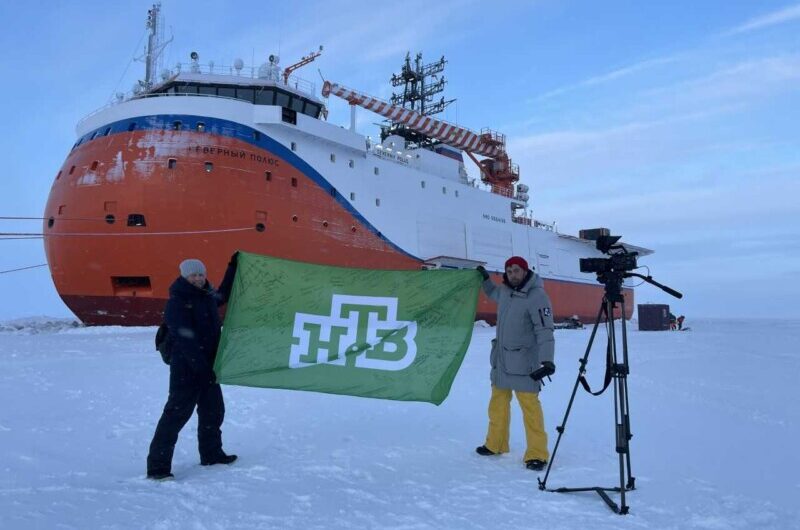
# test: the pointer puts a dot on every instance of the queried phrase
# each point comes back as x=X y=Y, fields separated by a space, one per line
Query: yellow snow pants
x=533 y=418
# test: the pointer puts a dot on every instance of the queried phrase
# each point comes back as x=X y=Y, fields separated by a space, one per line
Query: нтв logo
x=361 y=331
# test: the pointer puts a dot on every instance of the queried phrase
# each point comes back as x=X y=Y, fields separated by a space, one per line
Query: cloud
x=782 y=16
x=607 y=77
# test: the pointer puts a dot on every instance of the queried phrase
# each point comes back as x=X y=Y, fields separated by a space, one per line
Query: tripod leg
x=581 y=370
x=627 y=411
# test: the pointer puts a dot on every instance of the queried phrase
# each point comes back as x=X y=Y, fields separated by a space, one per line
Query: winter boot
x=221 y=458
x=484 y=451
x=535 y=464
x=160 y=475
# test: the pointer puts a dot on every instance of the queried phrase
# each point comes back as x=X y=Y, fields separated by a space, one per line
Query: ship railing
x=530 y=221
x=248 y=72
x=502 y=190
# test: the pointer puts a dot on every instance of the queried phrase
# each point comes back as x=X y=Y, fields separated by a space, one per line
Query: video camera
x=620 y=260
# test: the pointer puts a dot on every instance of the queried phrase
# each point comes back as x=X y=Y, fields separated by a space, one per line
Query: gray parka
x=524 y=333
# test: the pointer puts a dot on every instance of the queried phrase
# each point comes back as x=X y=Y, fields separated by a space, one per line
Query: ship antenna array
x=155 y=45
x=420 y=82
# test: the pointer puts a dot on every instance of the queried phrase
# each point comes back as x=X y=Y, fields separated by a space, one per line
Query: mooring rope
x=24 y=268
x=101 y=234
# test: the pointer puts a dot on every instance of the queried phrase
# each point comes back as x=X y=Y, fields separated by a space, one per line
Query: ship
x=200 y=161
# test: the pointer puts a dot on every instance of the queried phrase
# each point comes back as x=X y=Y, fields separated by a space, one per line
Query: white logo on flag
x=365 y=324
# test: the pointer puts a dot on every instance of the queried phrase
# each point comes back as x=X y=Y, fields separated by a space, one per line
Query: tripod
x=618 y=372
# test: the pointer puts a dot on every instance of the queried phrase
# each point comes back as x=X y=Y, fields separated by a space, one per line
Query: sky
x=674 y=124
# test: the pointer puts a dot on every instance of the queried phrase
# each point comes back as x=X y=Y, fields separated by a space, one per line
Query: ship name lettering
x=493 y=218
x=223 y=151
x=255 y=157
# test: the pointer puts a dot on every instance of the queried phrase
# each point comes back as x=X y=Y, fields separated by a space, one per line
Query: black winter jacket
x=194 y=325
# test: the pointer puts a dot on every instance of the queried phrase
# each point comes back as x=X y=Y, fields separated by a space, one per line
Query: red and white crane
x=496 y=169
x=302 y=62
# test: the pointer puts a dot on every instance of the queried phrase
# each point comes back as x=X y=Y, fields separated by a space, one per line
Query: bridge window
x=132 y=126
x=108 y=130
x=296 y=105
x=176 y=125
x=312 y=109
x=200 y=126
x=245 y=94
x=207 y=90
x=265 y=96
x=282 y=99
x=226 y=92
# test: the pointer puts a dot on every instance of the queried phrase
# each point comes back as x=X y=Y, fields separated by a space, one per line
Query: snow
x=714 y=416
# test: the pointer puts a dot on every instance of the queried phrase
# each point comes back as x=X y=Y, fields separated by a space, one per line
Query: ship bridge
x=265 y=85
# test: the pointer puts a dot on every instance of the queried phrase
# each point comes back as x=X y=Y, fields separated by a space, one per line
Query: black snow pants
x=187 y=390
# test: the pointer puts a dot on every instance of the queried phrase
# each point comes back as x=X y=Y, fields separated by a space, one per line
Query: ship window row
x=259 y=96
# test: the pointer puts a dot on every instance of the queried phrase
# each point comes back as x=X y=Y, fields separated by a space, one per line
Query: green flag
x=361 y=332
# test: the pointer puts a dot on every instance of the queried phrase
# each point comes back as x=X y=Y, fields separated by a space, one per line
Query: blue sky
x=676 y=124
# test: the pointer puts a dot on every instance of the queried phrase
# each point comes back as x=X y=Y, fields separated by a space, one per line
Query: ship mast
x=155 y=44
x=421 y=83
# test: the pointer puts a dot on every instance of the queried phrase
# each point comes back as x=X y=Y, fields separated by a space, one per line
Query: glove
x=547 y=369
x=234 y=260
x=483 y=272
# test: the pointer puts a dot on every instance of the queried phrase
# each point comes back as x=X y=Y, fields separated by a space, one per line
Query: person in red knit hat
x=524 y=342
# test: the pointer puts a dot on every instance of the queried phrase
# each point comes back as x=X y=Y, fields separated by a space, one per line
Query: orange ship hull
x=129 y=205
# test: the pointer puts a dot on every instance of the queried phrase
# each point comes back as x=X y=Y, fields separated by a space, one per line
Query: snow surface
x=714 y=415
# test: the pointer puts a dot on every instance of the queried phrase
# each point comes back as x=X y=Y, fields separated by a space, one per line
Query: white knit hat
x=192 y=266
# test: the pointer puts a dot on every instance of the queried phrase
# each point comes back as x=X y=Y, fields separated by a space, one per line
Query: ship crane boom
x=496 y=170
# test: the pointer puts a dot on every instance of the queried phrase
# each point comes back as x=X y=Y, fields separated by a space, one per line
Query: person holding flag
x=193 y=323
x=524 y=343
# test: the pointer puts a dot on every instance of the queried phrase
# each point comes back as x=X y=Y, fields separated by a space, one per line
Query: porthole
x=260 y=227
x=110 y=219
x=294 y=218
